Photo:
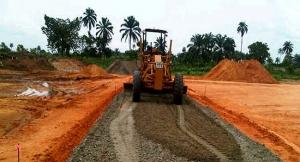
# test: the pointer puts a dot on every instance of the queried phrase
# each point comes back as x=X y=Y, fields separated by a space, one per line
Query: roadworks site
x=60 y=109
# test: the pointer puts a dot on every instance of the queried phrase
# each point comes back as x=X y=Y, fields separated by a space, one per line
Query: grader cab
x=155 y=70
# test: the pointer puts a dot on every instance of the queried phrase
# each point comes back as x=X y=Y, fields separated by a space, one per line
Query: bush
x=290 y=69
x=133 y=55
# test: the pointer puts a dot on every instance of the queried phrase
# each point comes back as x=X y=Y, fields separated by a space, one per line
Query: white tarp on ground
x=45 y=84
x=34 y=92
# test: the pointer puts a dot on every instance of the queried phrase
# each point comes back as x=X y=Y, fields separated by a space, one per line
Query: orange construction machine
x=155 y=70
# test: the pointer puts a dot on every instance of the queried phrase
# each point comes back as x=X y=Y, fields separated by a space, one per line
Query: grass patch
x=280 y=73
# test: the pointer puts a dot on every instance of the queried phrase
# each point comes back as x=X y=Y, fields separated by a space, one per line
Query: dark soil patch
x=123 y=67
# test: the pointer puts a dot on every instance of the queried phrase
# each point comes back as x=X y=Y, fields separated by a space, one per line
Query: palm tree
x=117 y=51
x=90 y=18
x=296 y=60
x=89 y=40
x=280 y=52
x=101 y=44
x=105 y=28
x=38 y=49
x=277 y=60
x=229 y=46
x=138 y=43
x=242 y=28
x=209 y=41
x=219 y=47
x=131 y=29
x=287 y=47
x=209 y=44
x=270 y=61
x=196 y=47
x=11 y=45
x=160 y=43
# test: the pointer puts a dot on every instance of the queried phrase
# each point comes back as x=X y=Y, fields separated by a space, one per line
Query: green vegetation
x=131 y=29
x=61 y=34
x=161 y=44
x=242 y=28
x=198 y=56
x=104 y=63
x=193 y=71
x=280 y=73
x=259 y=51
x=90 y=18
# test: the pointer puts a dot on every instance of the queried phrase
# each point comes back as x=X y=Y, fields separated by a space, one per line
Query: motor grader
x=155 y=71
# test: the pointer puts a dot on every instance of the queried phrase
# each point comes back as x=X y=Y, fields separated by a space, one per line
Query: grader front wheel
x=178 y=89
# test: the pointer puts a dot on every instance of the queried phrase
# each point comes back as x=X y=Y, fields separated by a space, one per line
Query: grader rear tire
x=178 y=89
x=136 y=96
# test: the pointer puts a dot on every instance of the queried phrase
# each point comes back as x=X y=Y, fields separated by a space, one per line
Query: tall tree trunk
x=241 y=43
x=62 y=50
x=130 y=40
x=68 y=50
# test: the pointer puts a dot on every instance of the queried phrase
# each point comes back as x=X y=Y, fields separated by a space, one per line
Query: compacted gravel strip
x=99 y=144
x=185 y=129
x=123 y=133
x=251 y=150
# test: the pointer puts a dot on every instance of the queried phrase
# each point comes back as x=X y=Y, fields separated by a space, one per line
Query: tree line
x=20 y=48
x=63 y=38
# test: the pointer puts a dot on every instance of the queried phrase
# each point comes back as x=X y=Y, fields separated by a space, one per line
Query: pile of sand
x=94 y=71
x=67 y=65
x=250 y=71
x=123 y=67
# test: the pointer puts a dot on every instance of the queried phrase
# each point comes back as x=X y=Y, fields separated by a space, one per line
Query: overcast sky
x=270 y=21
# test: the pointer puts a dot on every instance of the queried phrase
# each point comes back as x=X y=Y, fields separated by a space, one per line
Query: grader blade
x=128 y=86
x=184 y=89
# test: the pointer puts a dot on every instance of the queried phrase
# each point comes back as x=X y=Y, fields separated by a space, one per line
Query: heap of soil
x=68 y=65
x=250 y=71
x=123 y=67
x=23 y=61
x=94 y=71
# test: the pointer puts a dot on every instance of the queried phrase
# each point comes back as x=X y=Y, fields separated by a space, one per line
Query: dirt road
x=160 y=134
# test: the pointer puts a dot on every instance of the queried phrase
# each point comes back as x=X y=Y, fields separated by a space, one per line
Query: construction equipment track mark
x=122 y=132
x=186 y=130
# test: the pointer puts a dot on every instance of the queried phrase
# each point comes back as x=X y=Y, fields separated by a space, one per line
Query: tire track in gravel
x=188 y=131
x=122 y=132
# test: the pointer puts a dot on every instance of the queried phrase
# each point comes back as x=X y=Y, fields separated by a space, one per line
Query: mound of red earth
x=68 y=65
x=250 y=71
x=123 y=67
x=23 y=61
x=94 y=71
